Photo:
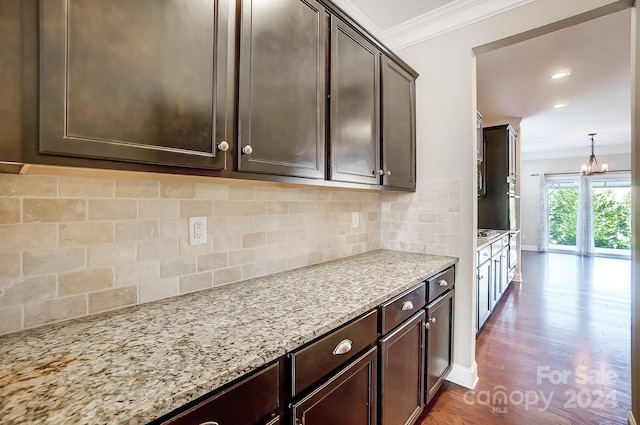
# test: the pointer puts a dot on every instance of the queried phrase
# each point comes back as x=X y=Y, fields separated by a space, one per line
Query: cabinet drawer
x=331 y=351
x=484 y=254
x=395 y=311
x=440 y=283
x=259 y=394
x=496 y=247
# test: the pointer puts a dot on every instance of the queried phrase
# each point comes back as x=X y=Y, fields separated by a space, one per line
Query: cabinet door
x=484 y=306
x=402 y=371
x=282 y=93
x=504 y=270
x=141 y=81
x=347 y=398
x=398 y=126
x=439 y=343
x=355 y=100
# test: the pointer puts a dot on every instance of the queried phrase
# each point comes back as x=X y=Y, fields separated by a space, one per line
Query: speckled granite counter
x=483 y=241
x=134 y=365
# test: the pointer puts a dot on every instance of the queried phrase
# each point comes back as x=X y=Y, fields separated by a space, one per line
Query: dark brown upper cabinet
x=141 y=81
x=355 y=106
x=398 y=126
x=282 y=88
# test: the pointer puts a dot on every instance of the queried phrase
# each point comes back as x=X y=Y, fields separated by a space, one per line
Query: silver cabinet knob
x=432 y=320
x=248 y=150
x=343 y=347
x=381 y=172
x=388 y=173
x=407 y=305
x=443 y=282
x=427 y=325
x=223 y=146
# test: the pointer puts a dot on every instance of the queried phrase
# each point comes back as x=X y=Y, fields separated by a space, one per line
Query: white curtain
x=584 y=231
x=543 y=213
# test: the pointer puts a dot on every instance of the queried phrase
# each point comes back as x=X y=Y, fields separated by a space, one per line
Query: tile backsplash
x=75 y=246
x=72 y=246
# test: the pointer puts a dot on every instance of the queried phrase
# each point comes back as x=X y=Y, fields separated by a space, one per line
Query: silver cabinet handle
x=407 y=305
x=443 y=282
x=343 y=347
x=248 y=150
x=388 y=173
x=223 y=146
x=484 y=254
x=210 y=423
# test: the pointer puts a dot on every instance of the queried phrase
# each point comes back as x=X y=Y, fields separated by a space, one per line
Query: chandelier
x=591 y=167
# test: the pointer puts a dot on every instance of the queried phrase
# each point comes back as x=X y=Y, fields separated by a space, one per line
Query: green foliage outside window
x=611 y=218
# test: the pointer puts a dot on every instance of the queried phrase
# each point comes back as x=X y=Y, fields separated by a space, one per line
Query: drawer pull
x=443 y=282
x=210 y=423
x=343 y=347
x=407 y=305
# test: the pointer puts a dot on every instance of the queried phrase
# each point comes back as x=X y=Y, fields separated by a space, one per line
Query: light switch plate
x=197 y=230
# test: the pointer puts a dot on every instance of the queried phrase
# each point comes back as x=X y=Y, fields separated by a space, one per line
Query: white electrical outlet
x=197 y=230
x=354 y=220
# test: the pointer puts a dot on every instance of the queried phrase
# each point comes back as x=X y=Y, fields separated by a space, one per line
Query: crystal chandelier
x=592 y=166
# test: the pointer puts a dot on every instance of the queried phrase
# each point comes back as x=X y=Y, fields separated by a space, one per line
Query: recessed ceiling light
x=559 y=75
x=559 y=105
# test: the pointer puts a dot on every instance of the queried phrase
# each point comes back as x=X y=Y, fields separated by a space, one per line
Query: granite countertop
x=133 y=365
x=483 y=241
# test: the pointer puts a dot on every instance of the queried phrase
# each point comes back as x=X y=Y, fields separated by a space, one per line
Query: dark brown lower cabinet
x=439 y=342
x=402 y=371
x=349 y=397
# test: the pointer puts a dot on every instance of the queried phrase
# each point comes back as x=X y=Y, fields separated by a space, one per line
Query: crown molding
x=447 y=18
x=359 y=17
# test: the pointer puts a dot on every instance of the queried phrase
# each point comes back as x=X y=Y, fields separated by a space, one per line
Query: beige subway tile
x=436 y=186
x=373 y=216
x=454 y=185
x=212 y=192
x=351 y=239
x=277 y=265
x=113 y=209
x=113 y=254
x=159 y=208
x=226 y=242
x=265 y=223
x=156 y=289
x=223 y=276
x=137 y=189
x=85 y=233
x=52 y=260
x=254 y=208
x=112 y=298
x=157 y=250
x=242 y=225
x=178 y=267
x=271 y=252
x=314 y=258
x=277 y=237
x=55 y=310
x=21 y=237
x=10 y=319
x=454 y=201
x=137 y=274
x=30 y=289
x=277 y=207
x=212 y=261
x=227 y=208
x=84 y=281
x=196 y=282
x=296 y=235
x=251 y=240
x=187 y=250
x=80 y=187
x=174 y=229
x=245 y=256
x=296 y=262
x=244 y=193
x=249 y=271
x=23 y=185
x=10 y=211
x=177 y=190
x=9 y=266
x=38 y=210
x=357 y=249
x=196 y=208
x=137 y=230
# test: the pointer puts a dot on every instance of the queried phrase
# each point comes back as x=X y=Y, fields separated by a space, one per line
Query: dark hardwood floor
x=555 y=351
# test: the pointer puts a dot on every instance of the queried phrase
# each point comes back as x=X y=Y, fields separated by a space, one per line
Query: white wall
x=530 y=189
x=446 y=104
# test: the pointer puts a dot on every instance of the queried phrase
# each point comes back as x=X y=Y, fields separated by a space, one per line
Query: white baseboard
x=631 y=419
x=528 y=247
x=464 y=376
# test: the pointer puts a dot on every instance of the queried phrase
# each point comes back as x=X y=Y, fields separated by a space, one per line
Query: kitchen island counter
x=133 y=365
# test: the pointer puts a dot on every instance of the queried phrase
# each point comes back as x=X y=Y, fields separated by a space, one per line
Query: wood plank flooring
x=555 y=351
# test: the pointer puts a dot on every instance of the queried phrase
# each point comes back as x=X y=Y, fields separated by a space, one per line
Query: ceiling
x=513 y=82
